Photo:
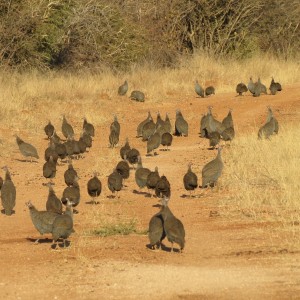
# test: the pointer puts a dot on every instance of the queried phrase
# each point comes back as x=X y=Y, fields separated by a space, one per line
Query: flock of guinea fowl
x=58 y=222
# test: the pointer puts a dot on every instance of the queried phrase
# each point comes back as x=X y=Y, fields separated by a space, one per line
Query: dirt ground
x=223 y=259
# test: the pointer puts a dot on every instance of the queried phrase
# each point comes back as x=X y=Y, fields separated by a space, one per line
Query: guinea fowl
x=132 y=156
x=210 y=90
x=115 y=182
x=49 y=130
x=70 y=174
x=214 y=139
x=159 y=120
x=1 y=182
x=53 y=203
x=88 y=127
x=72 y=193
x=181 y=125
x=267 y=129
x=153 y=141
x=123 y=168
x=122 y=90
x=203 y=126
x=87 y=139
x=115 y=125
x=124 y=149
x=152 y=180
x=173 y=227
x=228 y=121
x=262 y=87
x=198 y=89
x=66 y=128
x=141 y=174
x=163 y=187
x=55 y=138
x=166 y=140
x=27 y=149
x=251 y=86
x=137 y=96
x=8 y=193
x=51 y=151
x=212 y=170
x=42 y=220
x=148 y=130
x=270 y=116
x=241 y=88
x=94 y=187
x=168 y=125
x=190 y=180
x=212 y=123
x=139 y=129
x=69 y=146
x=156 y=232
x=113 y=138
x=61 y=150
x=49 y=168
x=63 y=225
x=228 y=134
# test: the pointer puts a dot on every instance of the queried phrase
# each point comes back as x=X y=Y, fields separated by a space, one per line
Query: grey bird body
x=228 y=134
x=210 y=90
x=53 y=203
x=27 y=149
x=124 y=149
x=148 y=130
x=42 y=220
x=49 y=168
x=181 y=125
x=214 y=139
x=141 y=125
x=115 y=182
x=269 y=117
x=115 y=125
x=8 y=193
x=123 y=169
x=267 y=129
x=163 y=187
x=122 y=90
x=141 y=174
x=70 y=174
x=49 y=129
x=203 y=126
x=173 y=227
x=156 y=233
x=152 y=179
x=251 y=86
x=137 y=96
x=51 y=151
x=212 y=170
x=94 y=187
x=132 y=156
x=66 y=128
x=241 y=88
x=198 y=89
x=153 y=142
x=113 y=138
x=190 y=180
x=166 y=139
x=88 y=127
x=72 y=193
x=168 y=125
x=228 y=120
x=63 y=225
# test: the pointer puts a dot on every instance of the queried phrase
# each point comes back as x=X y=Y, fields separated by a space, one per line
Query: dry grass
x=263 y=176
x=34 y=98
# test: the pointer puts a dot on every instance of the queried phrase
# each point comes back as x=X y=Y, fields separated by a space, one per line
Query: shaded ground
x=223 y=258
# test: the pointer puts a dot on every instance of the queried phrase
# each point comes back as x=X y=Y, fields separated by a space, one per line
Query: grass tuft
x=119 y=228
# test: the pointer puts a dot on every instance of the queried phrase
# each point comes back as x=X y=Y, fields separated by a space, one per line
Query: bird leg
x=36 y=241
x=172 y=247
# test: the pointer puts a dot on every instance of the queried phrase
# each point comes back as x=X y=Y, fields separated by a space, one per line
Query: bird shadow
x=186 y=196
x=92 y=202
x=163 y=247
x=3 y=212
x=141 y=193
x=61 y=245
x=156 y=205
x=111 y=197
x=25 y=160
x=41 y=241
